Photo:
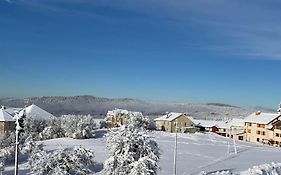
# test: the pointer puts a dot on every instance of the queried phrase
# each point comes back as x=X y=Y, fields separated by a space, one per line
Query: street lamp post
x=176 y=144
x=19 y=128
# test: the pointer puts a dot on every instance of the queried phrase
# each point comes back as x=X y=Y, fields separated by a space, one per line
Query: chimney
x=258 y=112
x=279 y=108
x=167 y=115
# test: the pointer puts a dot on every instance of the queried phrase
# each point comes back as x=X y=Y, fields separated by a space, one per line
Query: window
x=261 y=126
x=249 y=131
x=258 y=139
x=258 y=132
x=276 y=142
x=263 y=133
x=277 y=135
x=240 y=138
x=250 y=124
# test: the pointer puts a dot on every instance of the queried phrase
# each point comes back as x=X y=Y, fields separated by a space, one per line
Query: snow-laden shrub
x=31 y=146
x=265 y=169
x=78 y=127
x=33 y=127
x=53 y=129
x=74 y=161
x=131 y=150
x=2 y=164
x=51 y=132
x=216 y=173
x=8 y=154
x=73 y=126
x=8 y=139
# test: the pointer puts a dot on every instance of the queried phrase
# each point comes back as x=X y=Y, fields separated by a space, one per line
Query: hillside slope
x=59 y=105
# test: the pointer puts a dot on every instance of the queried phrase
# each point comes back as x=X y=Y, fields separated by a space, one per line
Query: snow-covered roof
x=222 y=124
x=36 y=112
x=205 y=123
x=13 y=111
x=5 y=116
x=169 y=117
x=237 y=122
x=261 y=117
x=210 y=123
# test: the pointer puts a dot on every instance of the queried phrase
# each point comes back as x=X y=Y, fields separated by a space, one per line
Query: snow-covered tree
x=31 y=147
x=78 y=127
x=2 y=164
x=131 y=150
x=8 y=154
x=7 y=139
x=32 y=128
x=62 y=162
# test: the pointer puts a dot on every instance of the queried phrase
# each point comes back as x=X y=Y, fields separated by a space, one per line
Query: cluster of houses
x=258 y=127
x=7 y=121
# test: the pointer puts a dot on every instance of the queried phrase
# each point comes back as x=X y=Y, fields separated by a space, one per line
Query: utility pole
x=16 y=153
x=19 y=128
x=175 y=151
x=234 y=142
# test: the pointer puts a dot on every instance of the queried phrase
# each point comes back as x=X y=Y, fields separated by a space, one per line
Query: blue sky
x=158 y=50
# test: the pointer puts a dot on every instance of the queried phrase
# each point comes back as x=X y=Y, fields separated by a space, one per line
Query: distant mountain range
x=98 y=106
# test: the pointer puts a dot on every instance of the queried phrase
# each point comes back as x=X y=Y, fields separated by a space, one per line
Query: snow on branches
x=74 y=161
x=131 y=150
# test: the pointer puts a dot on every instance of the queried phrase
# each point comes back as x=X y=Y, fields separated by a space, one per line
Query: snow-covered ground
x=209 y=153
x=196 y=153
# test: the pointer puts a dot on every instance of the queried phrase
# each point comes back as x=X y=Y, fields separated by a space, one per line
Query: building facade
x=175 y=122
x=7 y=123
x=263 y=128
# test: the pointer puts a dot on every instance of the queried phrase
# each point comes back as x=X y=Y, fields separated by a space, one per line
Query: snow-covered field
x=209 y=153
x=196 y=153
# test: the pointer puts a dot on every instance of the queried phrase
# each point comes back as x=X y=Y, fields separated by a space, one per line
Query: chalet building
x=233 y=128
x=206 y=125
x=118 y=117
x=263 y=128
x=237 y=124
x=112 y=120
x=7 y=123
x=219 y=127
x=223 y=128
x=236 y=129
x=169 y=122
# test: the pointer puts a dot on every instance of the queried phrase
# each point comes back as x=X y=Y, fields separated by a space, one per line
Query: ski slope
x=196 y=153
